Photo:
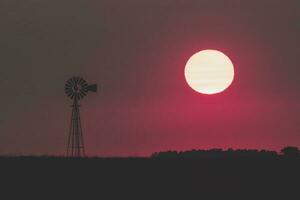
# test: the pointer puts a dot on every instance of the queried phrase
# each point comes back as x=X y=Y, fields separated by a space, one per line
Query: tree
x=290 y=151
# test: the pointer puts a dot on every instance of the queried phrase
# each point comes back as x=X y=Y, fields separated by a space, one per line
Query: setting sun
x=209 y=72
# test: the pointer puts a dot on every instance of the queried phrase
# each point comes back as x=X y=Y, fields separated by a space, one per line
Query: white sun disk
x=209 y=72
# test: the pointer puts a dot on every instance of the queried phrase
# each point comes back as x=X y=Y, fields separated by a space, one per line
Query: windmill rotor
x=77 y=88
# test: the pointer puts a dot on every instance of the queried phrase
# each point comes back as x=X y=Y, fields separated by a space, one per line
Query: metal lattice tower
x=76 y=88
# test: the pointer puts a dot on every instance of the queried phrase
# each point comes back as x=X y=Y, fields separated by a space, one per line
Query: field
x=152 y=177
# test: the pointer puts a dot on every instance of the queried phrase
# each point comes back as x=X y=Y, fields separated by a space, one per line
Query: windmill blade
x=70 y=95
x=68 y=91
x=81 y=95
x=69 y=83
x=80 y=82
x=76 y=80
x=73 y=80
x=84 y=82
x=68 y=87
x=85 y=87
x=83 y=92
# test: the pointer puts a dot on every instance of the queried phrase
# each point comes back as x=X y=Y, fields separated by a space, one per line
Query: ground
x=152 y=177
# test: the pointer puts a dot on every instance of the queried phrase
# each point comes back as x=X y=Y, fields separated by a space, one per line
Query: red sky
x=136 y=51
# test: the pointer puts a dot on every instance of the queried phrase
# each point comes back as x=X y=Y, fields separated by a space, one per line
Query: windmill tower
x=76 y=88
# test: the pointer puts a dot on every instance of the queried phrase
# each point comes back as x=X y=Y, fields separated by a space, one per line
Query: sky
x=136 y=51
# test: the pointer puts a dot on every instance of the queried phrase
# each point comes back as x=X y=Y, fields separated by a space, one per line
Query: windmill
x=76 y=88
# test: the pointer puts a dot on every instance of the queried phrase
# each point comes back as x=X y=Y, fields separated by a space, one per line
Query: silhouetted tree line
x=290 y=152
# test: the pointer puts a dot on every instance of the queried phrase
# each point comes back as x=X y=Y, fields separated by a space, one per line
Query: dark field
x=159 y=178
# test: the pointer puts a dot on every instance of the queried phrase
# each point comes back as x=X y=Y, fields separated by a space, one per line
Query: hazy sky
x=136 y=50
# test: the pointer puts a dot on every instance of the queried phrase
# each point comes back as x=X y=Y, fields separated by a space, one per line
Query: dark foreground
x=155 y=178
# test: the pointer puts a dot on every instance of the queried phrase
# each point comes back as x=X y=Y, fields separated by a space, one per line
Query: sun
x=209 y=72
